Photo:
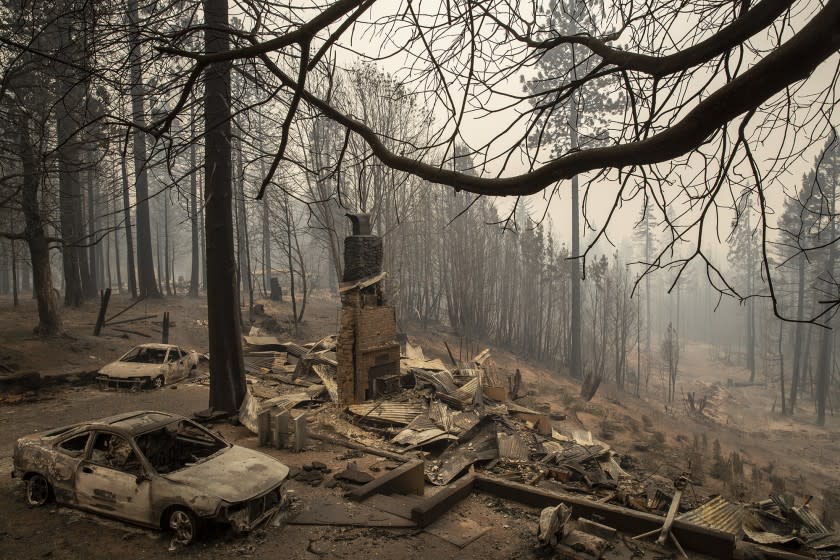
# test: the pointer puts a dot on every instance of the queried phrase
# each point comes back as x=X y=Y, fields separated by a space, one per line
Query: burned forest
x=420 y=279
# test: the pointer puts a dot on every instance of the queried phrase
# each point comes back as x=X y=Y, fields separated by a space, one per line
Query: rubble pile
x=471 y=417
x=449 y=417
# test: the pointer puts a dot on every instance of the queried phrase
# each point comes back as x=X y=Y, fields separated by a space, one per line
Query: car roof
x=136 y=422
x=156 y=346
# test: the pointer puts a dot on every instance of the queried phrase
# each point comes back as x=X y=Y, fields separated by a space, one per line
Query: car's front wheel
x=183 y=524
x=38 y=490
x=158 y=382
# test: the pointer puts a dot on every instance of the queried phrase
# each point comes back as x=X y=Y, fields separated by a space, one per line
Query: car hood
x=236 y=474
x=123 y=370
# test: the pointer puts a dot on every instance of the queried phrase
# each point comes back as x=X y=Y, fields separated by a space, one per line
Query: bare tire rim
x=182 y=525
x=37 y=490
x=158 y=382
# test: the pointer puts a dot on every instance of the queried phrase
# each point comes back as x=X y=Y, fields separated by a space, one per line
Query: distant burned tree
x=744 y=249
x=808 y=237
x=671 y=358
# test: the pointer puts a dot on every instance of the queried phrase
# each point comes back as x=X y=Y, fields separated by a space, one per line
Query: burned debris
x=467 y=426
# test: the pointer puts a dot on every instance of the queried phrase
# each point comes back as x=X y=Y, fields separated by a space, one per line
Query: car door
x=183 y=364
x=112 y=479
x=70 y=451
x=176 y=365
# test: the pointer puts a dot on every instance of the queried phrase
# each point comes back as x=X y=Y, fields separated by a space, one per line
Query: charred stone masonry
x=367 y=350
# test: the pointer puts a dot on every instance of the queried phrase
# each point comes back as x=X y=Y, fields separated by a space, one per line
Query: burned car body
x=148 y=365
x=151 y=468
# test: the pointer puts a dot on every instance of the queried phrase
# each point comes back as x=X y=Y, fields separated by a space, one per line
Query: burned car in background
x=148 y=365
x=151 y=468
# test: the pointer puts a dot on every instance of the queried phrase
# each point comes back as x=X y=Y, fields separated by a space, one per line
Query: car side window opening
x=146 y=356
x=172 y=356
x=74 y=446
x=115 y=452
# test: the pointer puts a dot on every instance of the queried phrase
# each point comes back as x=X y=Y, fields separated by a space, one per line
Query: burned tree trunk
x=129 y=241
x=797 y=342
x=69 y=168
x=145 y=260
x=227 y=379
x=49 y=322
x=194 y=270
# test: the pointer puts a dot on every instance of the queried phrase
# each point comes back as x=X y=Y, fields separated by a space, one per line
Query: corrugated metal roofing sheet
x=390 y=412
x=719 y=514
x=466 y=392
x=811 y=524
x=512 y=447
x=327 y=375
x=441 y=380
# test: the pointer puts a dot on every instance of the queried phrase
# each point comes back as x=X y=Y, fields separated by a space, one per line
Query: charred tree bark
x=194 y=265
x=797 y=343
x=826 y=362
x=782 y=367
x=244 y=254
x=145 y=261
x=289 y=258
x=201 y=234
x=575 y=365
x=49 y=321
x=92 y=287
x=227 y=379
x=69 y=167
x=266 y=230
x=167 y=269
x=116 y=246
x=129 y=241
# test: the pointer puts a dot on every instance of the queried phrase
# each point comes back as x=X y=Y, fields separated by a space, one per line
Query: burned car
x=151 y=468
x=148 y=365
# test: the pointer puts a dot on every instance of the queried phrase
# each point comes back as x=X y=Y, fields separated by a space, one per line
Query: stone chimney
x=367 y=350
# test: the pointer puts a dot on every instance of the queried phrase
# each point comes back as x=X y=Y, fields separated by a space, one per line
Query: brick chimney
x=367 y=350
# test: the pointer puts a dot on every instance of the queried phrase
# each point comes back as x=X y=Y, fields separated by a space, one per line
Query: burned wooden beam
x=692 y=537
x=406 y=479
x=443 y=501
x=104 y=297
x=112 y=317
x=359 y=447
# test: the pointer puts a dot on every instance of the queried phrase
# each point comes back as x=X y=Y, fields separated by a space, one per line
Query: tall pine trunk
x=576 y=365
x=70 y=93
x=826 y=362
x=145 y=261
x=49 y=322
x=129 y=234
x=194 y=248
x=797 y=342
x=227 y=378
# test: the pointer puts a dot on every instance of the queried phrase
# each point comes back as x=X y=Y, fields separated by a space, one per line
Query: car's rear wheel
x=38 y=490
x=183 y=524
x=158 y=382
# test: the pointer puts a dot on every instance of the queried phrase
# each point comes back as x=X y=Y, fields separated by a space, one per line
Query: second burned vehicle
x=151 y=468
x=148 y=365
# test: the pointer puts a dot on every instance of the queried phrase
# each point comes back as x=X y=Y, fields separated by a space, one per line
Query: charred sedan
x=148 y=365
x=153 y=469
